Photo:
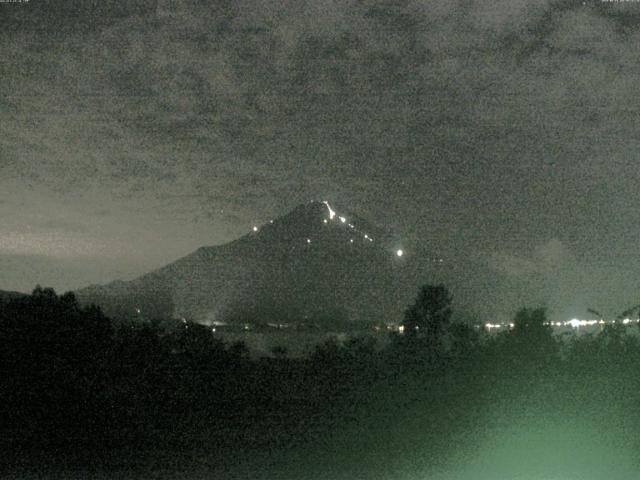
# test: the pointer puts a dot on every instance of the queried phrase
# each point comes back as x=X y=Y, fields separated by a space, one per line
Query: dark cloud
x=472 y=128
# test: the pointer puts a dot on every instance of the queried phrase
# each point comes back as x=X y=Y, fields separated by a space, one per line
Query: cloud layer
x=486 y=128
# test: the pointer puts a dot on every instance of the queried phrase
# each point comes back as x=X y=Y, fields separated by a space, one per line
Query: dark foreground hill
x=6 y=296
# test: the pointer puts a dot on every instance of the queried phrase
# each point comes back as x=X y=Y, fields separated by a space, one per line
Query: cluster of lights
x=278 y=325
x=574 y=323
x=332 y=215
x=492 y=326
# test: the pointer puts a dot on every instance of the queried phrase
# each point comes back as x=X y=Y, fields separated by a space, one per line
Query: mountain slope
x=313 y=265
x=6 y=296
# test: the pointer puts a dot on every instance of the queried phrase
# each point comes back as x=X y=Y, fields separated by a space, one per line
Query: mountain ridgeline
x=6 y=296
x=314 y=266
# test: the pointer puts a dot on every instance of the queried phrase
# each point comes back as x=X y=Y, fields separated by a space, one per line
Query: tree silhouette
x=279 y=352
x=532 y=336
x=531 y=322
x=430 y=313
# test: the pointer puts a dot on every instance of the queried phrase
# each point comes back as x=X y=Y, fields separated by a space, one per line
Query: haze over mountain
x=312 y=265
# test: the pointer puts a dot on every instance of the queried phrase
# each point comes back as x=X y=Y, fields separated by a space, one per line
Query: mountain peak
x=318 y=217
x=316 y=261
x=312 y=210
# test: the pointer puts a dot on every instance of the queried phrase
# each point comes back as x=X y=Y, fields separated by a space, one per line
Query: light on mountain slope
x=331 y=212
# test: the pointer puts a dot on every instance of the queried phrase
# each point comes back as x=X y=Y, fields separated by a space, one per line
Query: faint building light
x=255 y=229
x=399 y=253
x=308 y=240
x=343 y=220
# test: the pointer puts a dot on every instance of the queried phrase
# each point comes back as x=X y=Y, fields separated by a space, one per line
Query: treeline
x=81 y=389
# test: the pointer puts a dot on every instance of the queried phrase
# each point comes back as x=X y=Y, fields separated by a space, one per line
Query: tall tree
x=532 y=336
x=429 y=315
x=531 y=322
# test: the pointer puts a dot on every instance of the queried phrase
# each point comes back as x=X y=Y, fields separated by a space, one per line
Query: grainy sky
x=501 y=134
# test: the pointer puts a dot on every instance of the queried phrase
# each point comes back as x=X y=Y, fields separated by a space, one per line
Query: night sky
x=502 y=136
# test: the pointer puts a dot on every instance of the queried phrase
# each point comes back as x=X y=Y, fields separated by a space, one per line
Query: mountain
x=313 y=265
x=7 y=296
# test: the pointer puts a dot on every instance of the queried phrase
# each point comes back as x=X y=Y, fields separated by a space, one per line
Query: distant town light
x=399 y=253
x=343 y=220
x=308 y=240
x=325 y=220
x=255 y=229
x=574 y=322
